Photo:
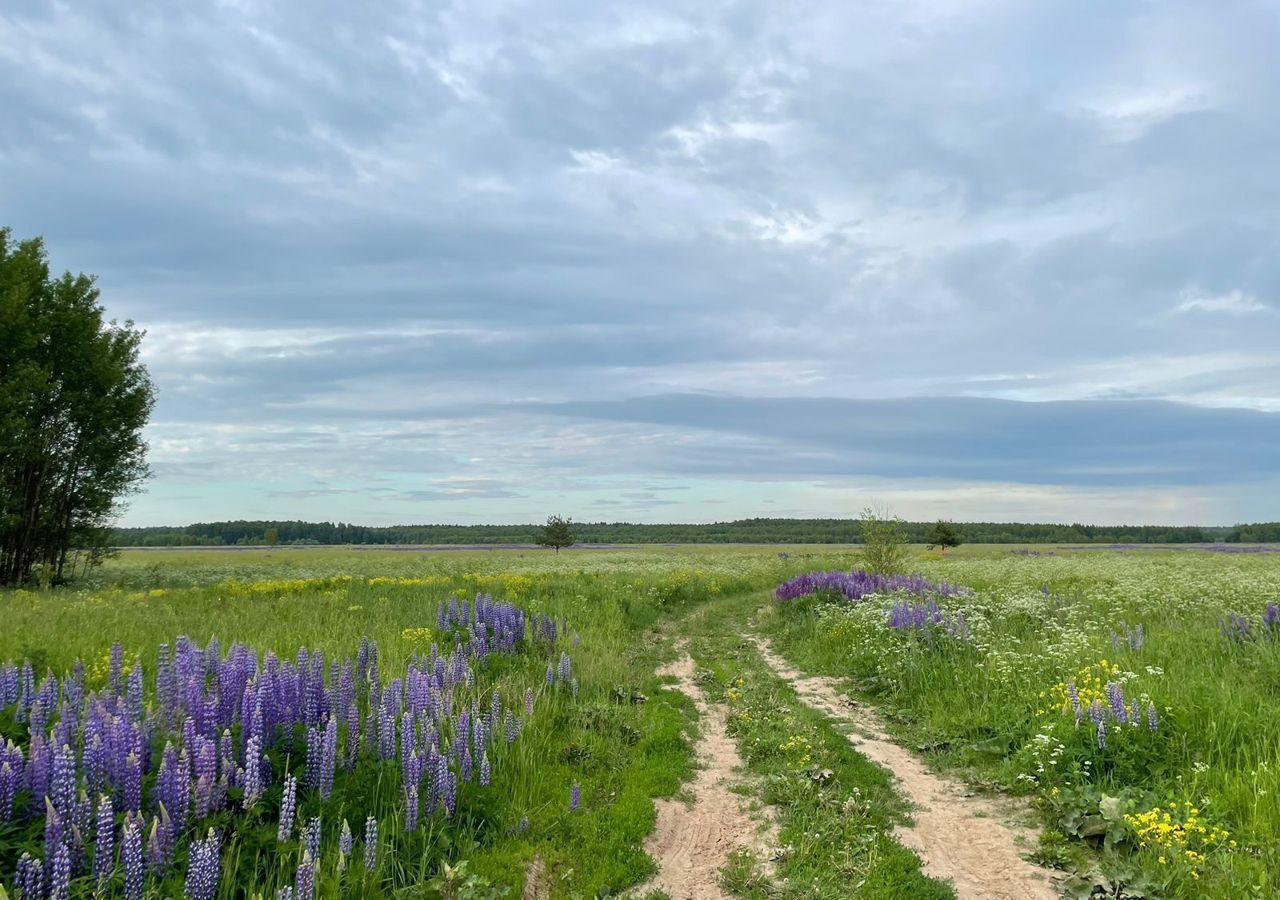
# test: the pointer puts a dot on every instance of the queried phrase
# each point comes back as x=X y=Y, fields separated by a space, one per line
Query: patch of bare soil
x=959 y=837
x=535 y=881
x=692 y=842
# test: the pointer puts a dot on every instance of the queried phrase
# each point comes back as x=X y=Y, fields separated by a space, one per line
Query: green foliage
x=73 y=400
x=944 y=535
x=271 y=536
x=884 y=538
x=557 y=533
x=745 y=531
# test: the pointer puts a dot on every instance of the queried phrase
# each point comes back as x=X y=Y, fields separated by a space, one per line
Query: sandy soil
x=692 y=842
x=959 y=837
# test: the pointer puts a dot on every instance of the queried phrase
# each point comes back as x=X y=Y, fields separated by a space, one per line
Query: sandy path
x=959 y=837
x=692 y=842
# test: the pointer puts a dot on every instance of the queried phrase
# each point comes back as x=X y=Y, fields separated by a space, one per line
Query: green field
x=991 y=705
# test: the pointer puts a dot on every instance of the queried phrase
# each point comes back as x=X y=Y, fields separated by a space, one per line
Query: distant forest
x=765 y=531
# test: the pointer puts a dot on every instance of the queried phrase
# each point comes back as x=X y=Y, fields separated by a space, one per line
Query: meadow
x=509 y=726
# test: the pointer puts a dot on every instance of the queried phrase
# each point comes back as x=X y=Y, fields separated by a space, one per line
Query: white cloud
x=1236 y=303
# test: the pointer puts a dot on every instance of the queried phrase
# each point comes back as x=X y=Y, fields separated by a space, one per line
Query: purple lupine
x=465 y=765
x=132 y=789
x=60 y=874
x=288 y=806
x=345 y=840
x=131 y=857
x=104 y=833
x=203 y=868
x=575 y=797
x=252 y=772
x=285 y=893
x=855 y=585
x=1153 y=718
x=565 y=669
x=528 y=701
x=511 y=727
x=304 y=885
x=370 y=844
x=62 y=782
x=485 y=772
x=311 y=837
x=1102 y=735
x=411 y=808
x=1115 y=697
x=10 y=778
x=551 y=675
x=29 y=881
x=328 y=758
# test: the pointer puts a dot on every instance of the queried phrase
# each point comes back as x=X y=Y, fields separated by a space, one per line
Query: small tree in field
x=272 y=537
x=885 y=542
x=943 y=535
x=557 y=533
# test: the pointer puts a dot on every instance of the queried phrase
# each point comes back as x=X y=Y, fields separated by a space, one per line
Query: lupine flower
x=29 y=881
x=288 y=806
x=311 y=837
x=1115 y=696
x=203 y=868
x=412 y=806
x=575 y=797
x=370 y=843
x=304 y=885
x=285 y=893
x=131 y=857
x=60 y=876
x=466 y=766
x=252 y=772
x=1153 y=718
x=345 y=840
x=857 y=584
x=528 y=701
x=1102 y=735
x=104 y=833
x=485 y=772
x=565 y=667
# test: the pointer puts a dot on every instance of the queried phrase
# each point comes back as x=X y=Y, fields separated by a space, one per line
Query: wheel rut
x=692 y=842
x=958 y=837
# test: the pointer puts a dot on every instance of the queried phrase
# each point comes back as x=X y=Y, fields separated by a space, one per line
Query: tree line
x=770 y=531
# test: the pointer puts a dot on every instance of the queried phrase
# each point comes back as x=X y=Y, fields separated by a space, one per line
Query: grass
x=989 y=707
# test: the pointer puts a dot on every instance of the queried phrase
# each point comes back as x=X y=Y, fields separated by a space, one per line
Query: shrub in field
x=239 y=743
x=884 y=539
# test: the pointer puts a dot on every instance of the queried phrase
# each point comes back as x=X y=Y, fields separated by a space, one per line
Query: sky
x=483 y=262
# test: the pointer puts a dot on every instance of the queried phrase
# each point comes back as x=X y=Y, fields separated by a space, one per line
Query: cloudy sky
x=421 y=261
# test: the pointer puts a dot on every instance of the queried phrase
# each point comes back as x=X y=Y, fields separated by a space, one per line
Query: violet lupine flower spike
x=288 y=807
x=60 y=877
x=304 y=886
x=203 y=869
x=370 y=844
x=575 y=797
x=131 y=857
x=103 y=842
